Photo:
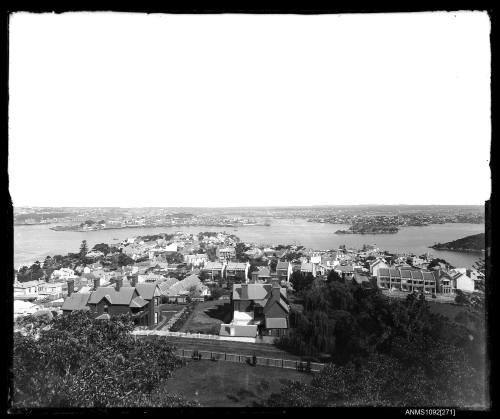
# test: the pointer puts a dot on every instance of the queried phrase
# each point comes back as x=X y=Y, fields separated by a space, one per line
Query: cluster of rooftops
x=123 y=293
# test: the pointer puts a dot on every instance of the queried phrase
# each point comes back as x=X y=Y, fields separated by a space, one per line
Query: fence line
x=175 y=334
x=239 y=358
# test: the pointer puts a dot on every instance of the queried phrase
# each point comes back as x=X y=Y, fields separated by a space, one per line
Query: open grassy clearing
x=241 y=348
x=227 y=384
x=448 y=310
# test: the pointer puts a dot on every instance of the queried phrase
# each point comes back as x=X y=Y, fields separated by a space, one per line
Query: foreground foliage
x=76 y=361
x=385 y=352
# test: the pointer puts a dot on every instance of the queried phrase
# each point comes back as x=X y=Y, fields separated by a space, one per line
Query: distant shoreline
x=448 y=249
x=62 y=228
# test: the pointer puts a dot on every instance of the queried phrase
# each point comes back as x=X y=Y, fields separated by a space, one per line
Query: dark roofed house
x=361 y=278
x=142 y=301
x=75 y=302
x=262 y=307
x=345 y=271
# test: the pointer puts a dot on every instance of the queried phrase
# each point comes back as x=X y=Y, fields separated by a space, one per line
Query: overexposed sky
x=117 y=109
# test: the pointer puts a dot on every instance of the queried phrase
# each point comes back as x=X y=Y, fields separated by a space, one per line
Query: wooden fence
x=175 y=334
x=239 y=358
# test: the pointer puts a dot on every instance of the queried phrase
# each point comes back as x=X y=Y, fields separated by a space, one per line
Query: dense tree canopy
x=102 y=247
x=301 y=282
x=333 y=276
x=76 y=361
x=385 y=351
x=83 y=249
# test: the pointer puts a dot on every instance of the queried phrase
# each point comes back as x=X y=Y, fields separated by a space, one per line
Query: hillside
x=474 y=243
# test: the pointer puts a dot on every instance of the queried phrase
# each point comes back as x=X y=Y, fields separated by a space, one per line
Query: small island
x=369 y=229
x=473 y=243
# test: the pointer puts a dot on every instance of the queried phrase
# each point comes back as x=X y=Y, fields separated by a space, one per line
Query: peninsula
x=474 y=243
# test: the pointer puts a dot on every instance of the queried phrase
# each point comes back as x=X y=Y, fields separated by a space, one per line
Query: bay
x=35 y=242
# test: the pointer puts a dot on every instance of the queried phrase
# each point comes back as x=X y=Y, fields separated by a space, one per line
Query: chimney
x=71 y=286
x=276 y=290
x=244 y=291
x=118 y=283
x=97 y=283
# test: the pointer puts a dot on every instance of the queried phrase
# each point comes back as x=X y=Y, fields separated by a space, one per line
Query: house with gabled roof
x=191 y=286
x=76 y=302
x=376 y=264
x=258 y=309
x=141 y=300
x=461 y=280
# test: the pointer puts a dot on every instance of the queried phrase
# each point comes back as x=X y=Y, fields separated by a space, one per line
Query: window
x=105 y=308
x=156 y=301
x=156 y=317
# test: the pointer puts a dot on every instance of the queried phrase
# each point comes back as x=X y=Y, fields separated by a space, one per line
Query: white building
x=26 y=289
x=461 y=280
x=63 y=274
x=376 y=265
x=52 y=290
x=171 y=248
x=196 y=260
x=315 y=258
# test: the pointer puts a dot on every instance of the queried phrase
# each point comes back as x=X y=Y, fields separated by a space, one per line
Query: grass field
x=241 y=348
x=448 y=310
x=207 y=316
x=169 y=310
x=227 y=384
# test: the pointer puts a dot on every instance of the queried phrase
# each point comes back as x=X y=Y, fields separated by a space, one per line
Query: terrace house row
x=408 y=280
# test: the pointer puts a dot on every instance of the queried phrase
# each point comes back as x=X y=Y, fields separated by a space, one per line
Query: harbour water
x=35 y=242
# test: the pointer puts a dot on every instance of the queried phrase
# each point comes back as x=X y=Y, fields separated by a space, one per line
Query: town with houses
x=165 y=274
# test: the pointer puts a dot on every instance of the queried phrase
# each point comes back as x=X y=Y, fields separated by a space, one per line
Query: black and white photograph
x=250 y=210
